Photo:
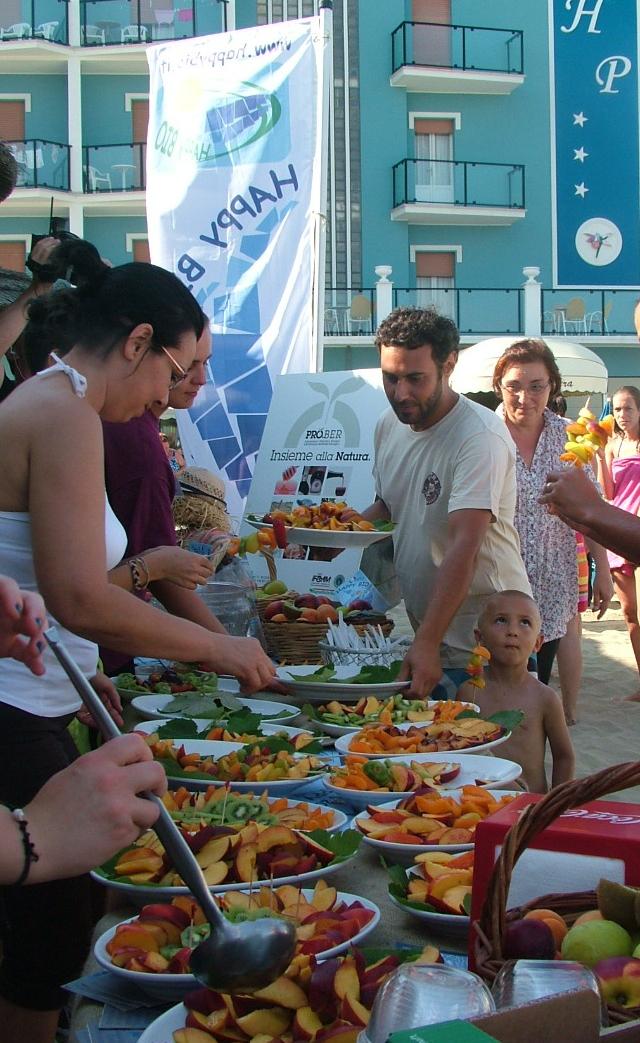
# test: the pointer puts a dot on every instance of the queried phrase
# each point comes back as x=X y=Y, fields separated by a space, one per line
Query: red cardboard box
x=600 y=839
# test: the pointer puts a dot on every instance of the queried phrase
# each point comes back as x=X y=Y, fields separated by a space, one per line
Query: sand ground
x=608 y=729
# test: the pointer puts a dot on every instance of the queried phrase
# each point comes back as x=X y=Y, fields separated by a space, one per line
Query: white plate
x=324 y=691
x=446 y=923
x=161 y=1030
x=324 y=537
x=473 y=769
x=343 y=743
x=177 y=984
x=336 y=730
x=151 y=707
x=404 y=854
x=141 y=894
x=215 y=749
x=149 y=727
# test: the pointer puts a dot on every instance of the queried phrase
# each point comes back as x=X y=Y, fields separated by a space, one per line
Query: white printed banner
x=233 y=194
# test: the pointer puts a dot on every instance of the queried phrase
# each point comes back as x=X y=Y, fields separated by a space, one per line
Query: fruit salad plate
x=444 y=923
x=326 y=537
x=176 y=985
x=315 y=684
x=203 y=725
x=344 y=847
x=198 y=774
x=154 y=707
x=355 y=717
x=404 y=853
x=458 y=769
x=349 y=744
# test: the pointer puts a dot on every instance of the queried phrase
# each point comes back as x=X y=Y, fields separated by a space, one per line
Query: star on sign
x=581 y=189
x=580 y=154
x=579 y=119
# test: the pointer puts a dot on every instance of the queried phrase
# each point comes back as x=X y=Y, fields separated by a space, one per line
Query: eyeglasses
x=537 y=388
x=176 y=378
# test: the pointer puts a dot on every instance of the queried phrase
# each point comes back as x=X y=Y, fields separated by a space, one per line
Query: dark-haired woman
x=621 y=482
x=134 y=334
x=525 y=377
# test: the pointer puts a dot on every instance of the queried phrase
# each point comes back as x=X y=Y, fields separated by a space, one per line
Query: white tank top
x=50 y=695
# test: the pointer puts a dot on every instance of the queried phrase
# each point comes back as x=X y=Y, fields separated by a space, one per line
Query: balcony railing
x=108 y=22
x=456 y=183
x=590 y=312
x=349 y=311
x=487 y=312
x=114 y=168
x=40 y=20
x=466 y=47
x=41 y=164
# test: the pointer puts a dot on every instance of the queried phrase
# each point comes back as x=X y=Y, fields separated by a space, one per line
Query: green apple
x=596 y=940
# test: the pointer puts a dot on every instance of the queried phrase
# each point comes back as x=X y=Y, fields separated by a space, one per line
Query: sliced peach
x=283 y=992
x=271 y=1021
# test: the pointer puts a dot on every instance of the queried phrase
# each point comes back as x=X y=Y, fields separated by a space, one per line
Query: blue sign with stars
x=596 y=143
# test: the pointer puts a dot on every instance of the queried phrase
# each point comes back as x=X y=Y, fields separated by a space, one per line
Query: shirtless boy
x=509 y=627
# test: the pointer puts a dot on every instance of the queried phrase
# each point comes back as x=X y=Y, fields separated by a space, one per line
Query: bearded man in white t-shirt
x=445 y=473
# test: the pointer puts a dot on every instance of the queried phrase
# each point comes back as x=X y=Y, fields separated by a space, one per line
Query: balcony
x=593 y=317
x=114 y=168
x=44 y=20
x=105 y=23
x=456 y=59
x=450 y=192
x=41 y=164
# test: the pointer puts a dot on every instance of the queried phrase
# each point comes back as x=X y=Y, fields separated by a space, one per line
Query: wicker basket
x=299 y=643
x=488 y=932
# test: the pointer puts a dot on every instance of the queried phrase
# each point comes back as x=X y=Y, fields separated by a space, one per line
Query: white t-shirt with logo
x=465 y=461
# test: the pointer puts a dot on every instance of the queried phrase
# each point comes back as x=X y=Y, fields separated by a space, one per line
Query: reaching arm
x=66 y=504
x=602 y=583
x=466 y=531
x=187 y=604
x=175 y=565
x=84 y=814
x=570 y=495
x=557 y=733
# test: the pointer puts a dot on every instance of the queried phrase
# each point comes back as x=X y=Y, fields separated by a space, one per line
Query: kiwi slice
x=619 y=903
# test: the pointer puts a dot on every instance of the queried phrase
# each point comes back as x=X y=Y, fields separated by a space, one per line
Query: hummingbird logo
x=596 y=241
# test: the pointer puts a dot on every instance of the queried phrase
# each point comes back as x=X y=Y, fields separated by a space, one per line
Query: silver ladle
x=235 y=957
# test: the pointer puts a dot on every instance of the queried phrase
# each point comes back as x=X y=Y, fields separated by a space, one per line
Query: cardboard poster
x=318 y=445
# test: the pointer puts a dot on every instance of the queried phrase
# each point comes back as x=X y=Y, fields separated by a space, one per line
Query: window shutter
x=435 y=265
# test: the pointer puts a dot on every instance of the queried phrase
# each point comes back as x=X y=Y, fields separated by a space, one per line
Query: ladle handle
x=175 y=845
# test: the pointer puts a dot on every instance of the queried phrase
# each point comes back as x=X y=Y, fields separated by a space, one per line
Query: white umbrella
x=583 y=372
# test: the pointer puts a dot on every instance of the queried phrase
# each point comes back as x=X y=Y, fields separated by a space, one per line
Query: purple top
x=625 y=472
x=140 y=486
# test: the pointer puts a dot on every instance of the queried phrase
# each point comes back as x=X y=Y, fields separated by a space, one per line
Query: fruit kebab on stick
x=586 y=436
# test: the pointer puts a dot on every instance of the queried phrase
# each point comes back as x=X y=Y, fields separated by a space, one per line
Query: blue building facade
x=468 y=141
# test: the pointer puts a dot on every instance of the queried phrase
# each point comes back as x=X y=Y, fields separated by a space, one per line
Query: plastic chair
x=17 y=31
x=549 y=324
x=93 y=34
x=597 y=320
x=359 y=314
x=47 y=30
x=575 y=315
x=96 y=177
x=133 y=34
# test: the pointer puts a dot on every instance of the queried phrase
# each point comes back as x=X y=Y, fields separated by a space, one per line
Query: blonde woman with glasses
x=526 y=377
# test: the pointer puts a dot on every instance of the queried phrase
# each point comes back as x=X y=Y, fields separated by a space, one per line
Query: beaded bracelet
x=30 y=854
x=139 y=573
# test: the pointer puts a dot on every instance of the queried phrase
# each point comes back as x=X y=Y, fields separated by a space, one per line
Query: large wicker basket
x=488 y=933
x=298 y=643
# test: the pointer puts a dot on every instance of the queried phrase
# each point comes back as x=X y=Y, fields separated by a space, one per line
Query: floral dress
x=547 y=545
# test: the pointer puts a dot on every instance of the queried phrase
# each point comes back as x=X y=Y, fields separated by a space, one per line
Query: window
x=432 y=44
x=434 y=154
x=13 y=254
x=141 y=250
x=435 y=282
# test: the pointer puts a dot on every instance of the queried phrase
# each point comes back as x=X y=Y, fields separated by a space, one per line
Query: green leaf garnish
x=507 y=719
